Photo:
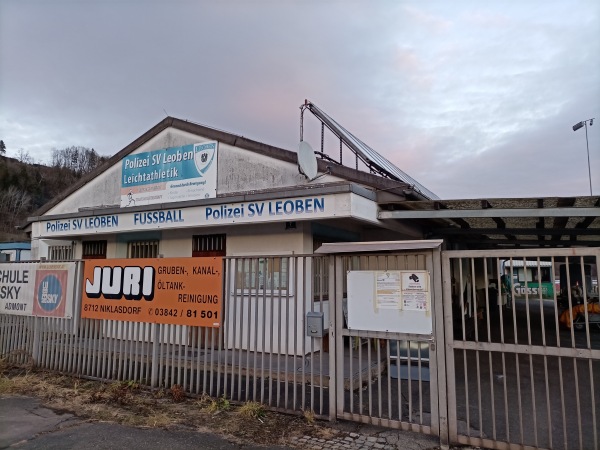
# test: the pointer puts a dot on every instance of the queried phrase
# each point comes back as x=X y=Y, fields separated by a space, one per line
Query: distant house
x=15 y=251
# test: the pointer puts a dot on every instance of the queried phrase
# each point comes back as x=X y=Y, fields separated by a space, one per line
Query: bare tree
x=80 y=160
x=24 y=156
x=14 y=202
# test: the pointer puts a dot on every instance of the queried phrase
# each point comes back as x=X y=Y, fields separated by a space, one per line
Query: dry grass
x=252 y=410
x=129 y=404
x=218 y=404
x=177 y=393
x=309 y=415
x=160 y=420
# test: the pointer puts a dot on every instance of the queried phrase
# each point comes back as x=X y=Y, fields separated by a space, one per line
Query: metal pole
x=588 y=156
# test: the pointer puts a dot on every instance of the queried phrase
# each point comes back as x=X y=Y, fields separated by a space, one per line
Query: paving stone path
x=351 y=442
x=388 y=440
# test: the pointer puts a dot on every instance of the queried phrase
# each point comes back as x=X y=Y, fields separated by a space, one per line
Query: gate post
x=440 y=276
x=35 y=350
x=449 y=350
x=155 y=346
x=332 y=340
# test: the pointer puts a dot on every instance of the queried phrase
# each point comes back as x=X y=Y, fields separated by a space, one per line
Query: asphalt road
x=25 y=424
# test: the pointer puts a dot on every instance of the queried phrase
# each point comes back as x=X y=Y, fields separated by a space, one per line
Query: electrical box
x=315 y=324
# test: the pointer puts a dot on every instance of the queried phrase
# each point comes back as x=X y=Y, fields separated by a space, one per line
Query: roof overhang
x=502 y=223
x=378 y=246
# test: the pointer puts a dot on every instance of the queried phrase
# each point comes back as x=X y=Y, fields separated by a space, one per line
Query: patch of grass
x=177 y=393
x=120 y=393
x=253 y=410
x=131 y=384
x=309 y=415
x=6 y=385
x=159 y=420
x=204 y=400
x=124 y=402
x=219 y=404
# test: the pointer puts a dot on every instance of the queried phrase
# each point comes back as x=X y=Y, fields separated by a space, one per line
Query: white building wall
x=176 y=243
x=103 y=190
x=239 y=170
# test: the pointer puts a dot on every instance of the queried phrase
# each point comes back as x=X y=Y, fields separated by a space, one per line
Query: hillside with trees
x=26 y=186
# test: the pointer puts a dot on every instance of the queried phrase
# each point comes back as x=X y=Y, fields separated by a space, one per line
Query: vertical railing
x=524 y=358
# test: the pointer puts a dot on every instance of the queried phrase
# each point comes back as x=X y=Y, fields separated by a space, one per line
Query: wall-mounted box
x=315 y=324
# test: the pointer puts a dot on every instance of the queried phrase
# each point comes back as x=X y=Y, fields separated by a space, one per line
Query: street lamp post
x=576 y=127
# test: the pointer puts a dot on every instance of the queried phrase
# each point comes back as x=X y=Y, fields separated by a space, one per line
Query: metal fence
x=513 y=360
x=523 y=340
x=259 y=353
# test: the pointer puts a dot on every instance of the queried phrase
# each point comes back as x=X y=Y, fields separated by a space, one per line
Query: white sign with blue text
x=171 y=174
x=37 y=289
x=276 y=210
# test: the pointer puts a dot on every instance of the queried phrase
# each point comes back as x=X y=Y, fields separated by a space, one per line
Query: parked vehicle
x=528 y=278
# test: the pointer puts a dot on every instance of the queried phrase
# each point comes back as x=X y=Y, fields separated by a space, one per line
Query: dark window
x=142 y=249
x=93 y=250
x=208 y=245
x=60 y=252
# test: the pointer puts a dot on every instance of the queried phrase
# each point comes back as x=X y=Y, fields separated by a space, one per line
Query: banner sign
x=332 y=206
x=180 y=291
x=172 y=174
x=37 y=289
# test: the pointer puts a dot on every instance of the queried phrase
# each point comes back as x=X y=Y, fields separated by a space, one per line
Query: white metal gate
x=391 y=379
x=523 y=347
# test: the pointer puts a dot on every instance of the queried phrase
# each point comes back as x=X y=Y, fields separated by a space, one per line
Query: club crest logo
x=204 y=155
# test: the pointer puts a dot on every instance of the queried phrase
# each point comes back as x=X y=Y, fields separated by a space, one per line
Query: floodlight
x=576 y=127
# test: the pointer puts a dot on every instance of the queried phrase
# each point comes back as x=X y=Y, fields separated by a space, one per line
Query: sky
x=474 y=99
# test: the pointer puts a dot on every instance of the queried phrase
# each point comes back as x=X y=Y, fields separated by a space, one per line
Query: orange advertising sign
x=181 y=291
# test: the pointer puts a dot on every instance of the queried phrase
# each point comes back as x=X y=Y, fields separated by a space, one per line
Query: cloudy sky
x=472 y=98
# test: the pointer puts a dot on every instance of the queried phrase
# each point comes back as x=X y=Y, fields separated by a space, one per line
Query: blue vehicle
x=15 y=251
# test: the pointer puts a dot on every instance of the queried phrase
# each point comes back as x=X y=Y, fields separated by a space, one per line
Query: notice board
x=396 y=301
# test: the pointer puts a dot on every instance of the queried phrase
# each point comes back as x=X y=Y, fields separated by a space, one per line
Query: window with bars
x=142 y=249
x=93 y=250
x=320 y=272
x=60 y=252
x=269 y=274
x=208 y=245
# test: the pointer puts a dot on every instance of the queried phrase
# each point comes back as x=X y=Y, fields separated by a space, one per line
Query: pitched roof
x=237 y=141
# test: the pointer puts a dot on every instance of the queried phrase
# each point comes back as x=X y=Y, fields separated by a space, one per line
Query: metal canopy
x=377 y=246
x=505 y=223
x=376 y=162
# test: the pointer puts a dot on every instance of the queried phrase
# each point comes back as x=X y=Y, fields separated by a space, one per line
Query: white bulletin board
x=396 y=301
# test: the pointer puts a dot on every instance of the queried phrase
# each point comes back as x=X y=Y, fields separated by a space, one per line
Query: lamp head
x=577 y=126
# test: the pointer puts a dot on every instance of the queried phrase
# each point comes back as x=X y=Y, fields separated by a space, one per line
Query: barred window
x=263 y=273
x=208 y=245
x=60 y=252
x=93 y=250
x=142 y=249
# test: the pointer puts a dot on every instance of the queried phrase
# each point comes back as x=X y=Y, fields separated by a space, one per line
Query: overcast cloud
x=473 y=99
